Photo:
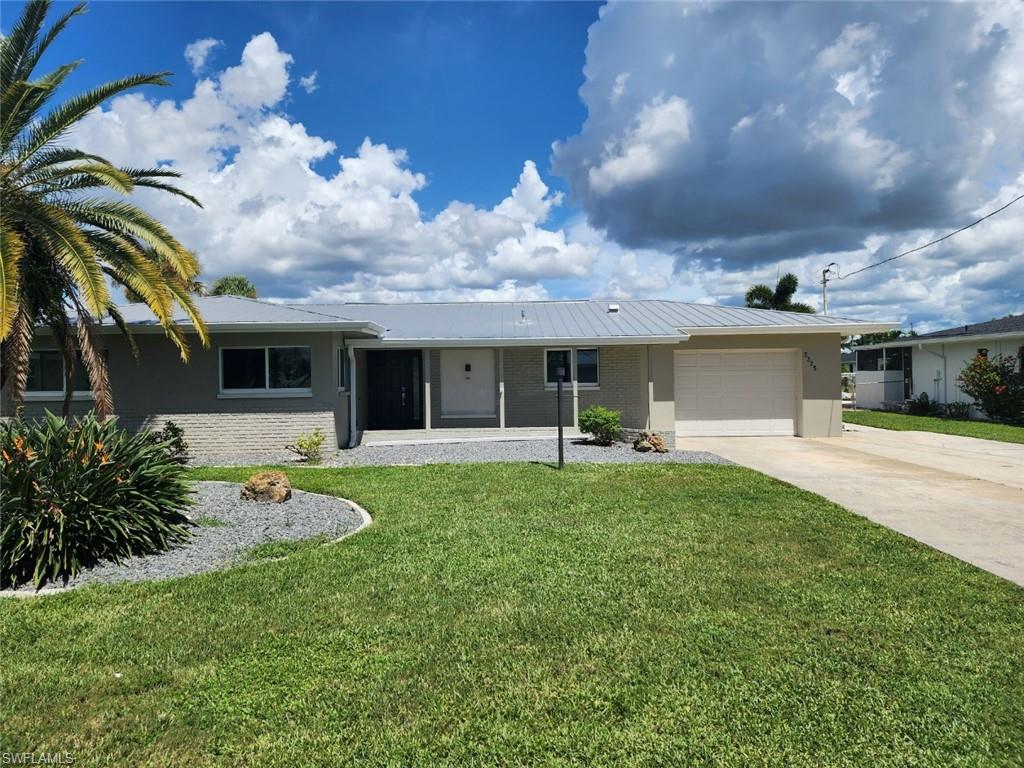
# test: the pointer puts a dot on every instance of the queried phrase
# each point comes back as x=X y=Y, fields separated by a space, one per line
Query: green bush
x=78 y=493
x=309 y=447
x=958 y=410
x=996 y=385
x=603 y=424
x=173 y=438
x=923 y=405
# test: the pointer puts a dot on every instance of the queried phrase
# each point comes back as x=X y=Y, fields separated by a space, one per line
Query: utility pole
x=826 y=275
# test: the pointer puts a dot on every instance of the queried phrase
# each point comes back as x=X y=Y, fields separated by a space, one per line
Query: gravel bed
x=242 y=525
x=544 y=450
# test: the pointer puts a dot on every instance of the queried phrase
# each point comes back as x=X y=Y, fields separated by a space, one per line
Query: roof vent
x=613 y=308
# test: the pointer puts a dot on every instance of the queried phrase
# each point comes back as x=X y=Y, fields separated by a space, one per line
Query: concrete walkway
x=961 y=495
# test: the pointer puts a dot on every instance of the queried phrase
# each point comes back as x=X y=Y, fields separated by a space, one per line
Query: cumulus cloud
x=807 y=132
x=353 y=232
x=197 y=53
x=309 y=83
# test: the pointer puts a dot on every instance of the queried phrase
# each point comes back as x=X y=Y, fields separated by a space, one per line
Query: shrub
x=173 y=439
x=996 y=386
x=958 y=410
x=75 y=494
x=309 y=447
x=603 y=424
x=923 y=405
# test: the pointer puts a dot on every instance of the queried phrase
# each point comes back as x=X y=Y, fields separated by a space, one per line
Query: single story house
x=273 y=371
x=904 y=368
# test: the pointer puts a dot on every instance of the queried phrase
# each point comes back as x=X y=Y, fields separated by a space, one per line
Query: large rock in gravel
x=650 y=441
x=267 y=486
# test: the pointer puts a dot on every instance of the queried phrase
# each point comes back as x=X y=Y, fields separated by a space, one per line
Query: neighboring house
x=904 y=368
x=273 y=371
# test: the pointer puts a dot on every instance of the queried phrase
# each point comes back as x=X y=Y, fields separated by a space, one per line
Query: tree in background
x=763 y=297
x=996 y=385
x=882 y=337
x=234 y=285
x=62 y=230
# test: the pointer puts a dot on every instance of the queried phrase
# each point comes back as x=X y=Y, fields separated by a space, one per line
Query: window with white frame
x=587 y=366
x=46 y=374
x=259 y=370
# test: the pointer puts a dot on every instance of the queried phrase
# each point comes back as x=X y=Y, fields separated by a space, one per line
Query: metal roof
x=526 y=321
x=583 y=319
x=238 y=311
x=1010 y=324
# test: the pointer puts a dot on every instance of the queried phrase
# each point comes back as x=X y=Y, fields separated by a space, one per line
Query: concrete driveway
x=960 y=495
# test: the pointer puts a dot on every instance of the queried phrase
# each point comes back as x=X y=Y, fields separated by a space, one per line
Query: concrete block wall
x=623 y=387
x=159 y=388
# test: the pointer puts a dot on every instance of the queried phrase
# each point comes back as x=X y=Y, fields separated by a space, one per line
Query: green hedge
x=77 y=493
x=603 y=424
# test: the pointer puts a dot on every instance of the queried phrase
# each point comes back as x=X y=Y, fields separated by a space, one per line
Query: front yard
x=904 y=422
x=511 y=614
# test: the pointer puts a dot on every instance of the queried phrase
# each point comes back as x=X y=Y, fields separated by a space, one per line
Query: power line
x=933 y=242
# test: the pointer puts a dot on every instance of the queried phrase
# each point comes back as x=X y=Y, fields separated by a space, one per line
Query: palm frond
x=186 y=302
x=12 y=250
x=144 y=182
x=21 y=101
x=122 y=326
x=86 y=174
x=62 y=118
x=16 y=48
x=67 y=243
x=17 y=351
x=128 y=220
x=95 y=365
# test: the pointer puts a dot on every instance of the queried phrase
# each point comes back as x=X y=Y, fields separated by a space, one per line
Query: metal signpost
x=560 y=375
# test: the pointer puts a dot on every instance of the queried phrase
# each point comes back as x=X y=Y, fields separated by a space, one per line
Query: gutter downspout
x=945 y=389
x=352 y=395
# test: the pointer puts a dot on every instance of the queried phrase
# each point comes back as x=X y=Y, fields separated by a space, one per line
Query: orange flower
x=19 y=443
x=104 y=459
x=7 y=456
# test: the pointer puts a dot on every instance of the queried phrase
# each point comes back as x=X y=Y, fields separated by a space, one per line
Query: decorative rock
x=267 y=486
x=650 y=441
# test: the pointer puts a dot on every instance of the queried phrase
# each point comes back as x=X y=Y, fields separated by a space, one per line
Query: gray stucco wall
x=159 y=387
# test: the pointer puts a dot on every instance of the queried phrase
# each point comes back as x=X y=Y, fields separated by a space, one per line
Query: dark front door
x=394 y=389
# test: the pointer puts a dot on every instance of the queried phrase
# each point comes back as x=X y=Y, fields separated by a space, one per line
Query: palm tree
x=62 y=232
x=763 y=297
x=233 y=285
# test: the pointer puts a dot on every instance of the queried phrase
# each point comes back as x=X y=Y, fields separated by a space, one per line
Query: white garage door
x=735 y=393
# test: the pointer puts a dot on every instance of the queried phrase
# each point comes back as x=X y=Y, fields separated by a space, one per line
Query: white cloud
x=805 y=132
x=354 y=232
x=646 y=147
x=198 y=53
x=309 y=83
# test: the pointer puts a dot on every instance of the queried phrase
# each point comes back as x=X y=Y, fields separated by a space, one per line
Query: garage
x=746 y=392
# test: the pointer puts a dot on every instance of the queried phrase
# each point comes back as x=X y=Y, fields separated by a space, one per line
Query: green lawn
x=903 y=422
x=515 y=615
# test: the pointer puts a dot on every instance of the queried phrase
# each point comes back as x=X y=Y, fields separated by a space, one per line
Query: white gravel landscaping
x=228 y=528
x=546 y=451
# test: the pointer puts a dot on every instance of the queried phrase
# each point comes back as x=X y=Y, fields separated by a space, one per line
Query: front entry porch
x=469 y=435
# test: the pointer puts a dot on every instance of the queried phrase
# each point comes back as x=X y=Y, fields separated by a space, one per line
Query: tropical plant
x=309 y=446
x=996 y=385
x=193 y=285
x=78 y=493
x=234 y=285
x=781 y=298
x=603 y=424
x=63 y=232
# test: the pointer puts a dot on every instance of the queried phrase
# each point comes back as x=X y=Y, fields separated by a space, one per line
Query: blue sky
x=422 y=151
